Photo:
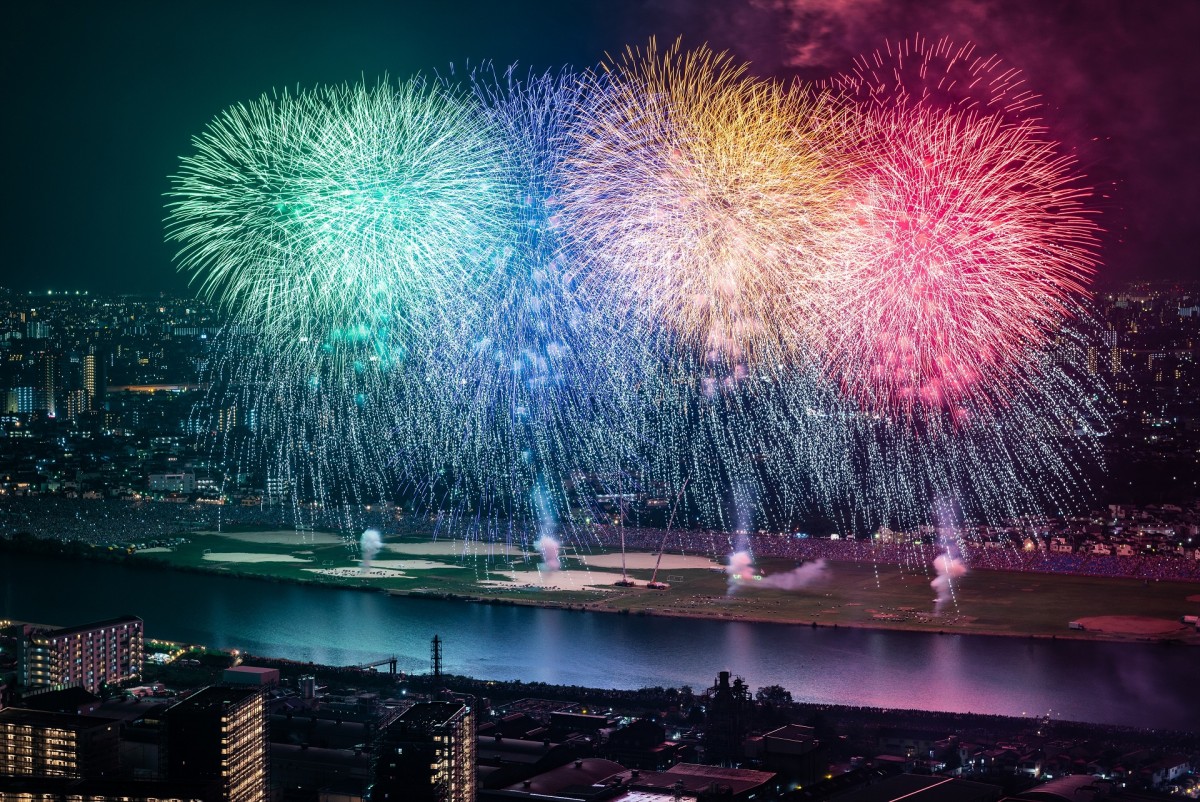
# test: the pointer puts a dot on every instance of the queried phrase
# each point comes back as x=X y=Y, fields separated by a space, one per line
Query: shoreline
x=1181 y=636
x=1097 y=636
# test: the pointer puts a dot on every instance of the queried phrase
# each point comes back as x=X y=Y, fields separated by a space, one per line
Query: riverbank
x=836 y=594
x=501 y=641
x=827 y=594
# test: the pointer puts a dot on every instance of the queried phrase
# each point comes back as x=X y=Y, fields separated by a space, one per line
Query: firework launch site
x=896 y=594
x=819 y=583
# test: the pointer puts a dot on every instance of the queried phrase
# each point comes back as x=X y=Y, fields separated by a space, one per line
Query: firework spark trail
x=541 y=388
x=940 y=75
x=342 y=213
x=967 y=245
x=666 y=269
x=344 y=228
x=693 y=194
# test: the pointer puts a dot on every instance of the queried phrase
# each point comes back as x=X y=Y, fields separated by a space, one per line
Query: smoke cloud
x=798 y=578
x=369 y=544
x=739 y=569
x=548 y=547
x=547 y=544
x=949 y=568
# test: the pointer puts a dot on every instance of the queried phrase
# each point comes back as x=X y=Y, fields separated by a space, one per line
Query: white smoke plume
x=740 y=568
x=949 y=568
x=548 y=546
x=369 y=544
x=798 y=578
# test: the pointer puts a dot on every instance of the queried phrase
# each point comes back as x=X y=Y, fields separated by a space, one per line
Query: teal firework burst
x=344 y=213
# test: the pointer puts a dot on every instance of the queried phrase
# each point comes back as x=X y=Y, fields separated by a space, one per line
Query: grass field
x=845 y=594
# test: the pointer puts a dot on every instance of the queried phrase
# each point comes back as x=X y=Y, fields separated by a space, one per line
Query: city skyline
x=108 y=101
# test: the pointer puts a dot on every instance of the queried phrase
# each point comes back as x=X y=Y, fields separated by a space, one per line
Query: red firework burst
x=966 y=246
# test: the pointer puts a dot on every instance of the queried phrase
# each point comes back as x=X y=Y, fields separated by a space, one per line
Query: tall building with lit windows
x=90 y=655
x=95 y=379
x=35 y=743
x=48 y=385
x=427 y=755
x=218 y=736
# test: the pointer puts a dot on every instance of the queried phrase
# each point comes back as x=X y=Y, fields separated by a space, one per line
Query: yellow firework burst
x=694 y=195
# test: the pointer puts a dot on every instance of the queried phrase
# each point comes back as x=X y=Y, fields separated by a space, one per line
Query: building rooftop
x=257 y=670
x=63 y=700
x=215 y=696
x=514 y=750
x=108 y=622
x=922 y=788
x=581 y=773
x=22 y=717
x=695 y=777
x=426 y=715
x=792 y=732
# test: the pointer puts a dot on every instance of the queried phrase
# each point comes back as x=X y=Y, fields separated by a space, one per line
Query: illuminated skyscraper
x=21 y=400
x=95 y=379
x=427 y=755
x=49 y=385
x=219 y=736
x=77 y=403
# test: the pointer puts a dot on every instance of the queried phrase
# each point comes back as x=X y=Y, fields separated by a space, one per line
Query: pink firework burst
x=966 y=246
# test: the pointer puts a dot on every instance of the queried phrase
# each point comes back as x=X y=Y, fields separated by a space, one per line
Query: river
x=1115 y=683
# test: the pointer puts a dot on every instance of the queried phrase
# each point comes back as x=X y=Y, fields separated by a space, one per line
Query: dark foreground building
x=218 y=737
x=37 y=743
x=427 y=755
x=44 y=789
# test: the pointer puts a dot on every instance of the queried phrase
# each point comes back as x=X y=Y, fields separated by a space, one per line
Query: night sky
x=101 y=99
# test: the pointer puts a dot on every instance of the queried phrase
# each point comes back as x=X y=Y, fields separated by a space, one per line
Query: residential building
x=219 y=736
x=38 y=743
x=89 y=655
x=427 y=755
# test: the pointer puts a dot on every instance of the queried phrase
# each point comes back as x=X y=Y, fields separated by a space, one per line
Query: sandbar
x=555 y=580
x=357 y=573
x=413 y=565
x=456 y=548
x=250 y=557
x=645 y=561
x=286 y=537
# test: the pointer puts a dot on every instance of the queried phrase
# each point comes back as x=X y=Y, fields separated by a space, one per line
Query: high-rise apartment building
x=95 y=379
x=218 y=736
x=427 y=755
x=21 y=400
x=48 y=391
x=35 y=743
x=77 y=403
x=89 y=655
